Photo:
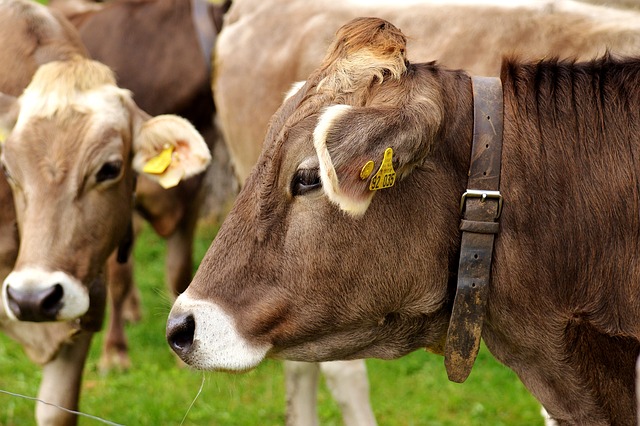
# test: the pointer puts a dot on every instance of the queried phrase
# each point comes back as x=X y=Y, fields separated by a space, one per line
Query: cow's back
x=266 y=46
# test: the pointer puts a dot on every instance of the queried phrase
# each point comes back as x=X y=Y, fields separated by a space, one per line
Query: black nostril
x=180 y=332
x=38 y=306
x=51 y=301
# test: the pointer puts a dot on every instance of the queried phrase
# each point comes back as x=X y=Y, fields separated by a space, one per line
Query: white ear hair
x=328 y=173
x=294 y=89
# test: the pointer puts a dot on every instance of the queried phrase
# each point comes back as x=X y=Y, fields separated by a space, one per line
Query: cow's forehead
x=78 y=85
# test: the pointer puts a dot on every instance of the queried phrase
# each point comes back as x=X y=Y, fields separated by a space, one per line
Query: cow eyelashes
x=305 y=180
x=109 y=171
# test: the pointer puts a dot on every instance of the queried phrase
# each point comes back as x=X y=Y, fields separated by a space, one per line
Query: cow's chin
x=383 y=341
x=206 y=338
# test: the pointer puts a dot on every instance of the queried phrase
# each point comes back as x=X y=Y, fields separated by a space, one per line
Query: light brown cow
x=311 y=265
x=73 y=142
x=278 y=43
x=162 y=35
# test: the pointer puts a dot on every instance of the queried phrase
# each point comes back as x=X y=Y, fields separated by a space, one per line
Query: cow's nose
x=38 y=306
x=180 y=331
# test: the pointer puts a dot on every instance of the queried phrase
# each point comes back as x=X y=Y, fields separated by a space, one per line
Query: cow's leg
x=61 y=379
x=301 y=383
x=349 y=385
x=120 y=282
x=132 y=309
x=179 y=262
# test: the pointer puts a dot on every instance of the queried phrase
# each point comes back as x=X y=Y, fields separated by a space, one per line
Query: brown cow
x=378 y=274
x=470 y=36
x=162 y=36
x=73 y=142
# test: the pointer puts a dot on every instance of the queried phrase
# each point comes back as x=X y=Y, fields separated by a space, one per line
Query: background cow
x=279 y=42
x=71 y=141
x=378 y=275
x=162 y=36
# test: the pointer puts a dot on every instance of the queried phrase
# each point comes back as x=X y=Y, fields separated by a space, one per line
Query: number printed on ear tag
x=385 y=177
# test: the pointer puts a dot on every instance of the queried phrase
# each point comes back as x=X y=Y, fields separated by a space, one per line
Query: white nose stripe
x=75 y=301
x=217 y=345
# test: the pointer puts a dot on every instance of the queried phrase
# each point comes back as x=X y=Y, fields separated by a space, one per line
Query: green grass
x=156 y=391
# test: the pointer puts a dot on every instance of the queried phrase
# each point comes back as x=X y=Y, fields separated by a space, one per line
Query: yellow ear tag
x=3 y=136
x=385 y=177
x=159 y=164
x=367 y=169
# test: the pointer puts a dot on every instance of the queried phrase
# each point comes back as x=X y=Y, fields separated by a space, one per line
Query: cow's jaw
x=205 y=337
x=33 y=294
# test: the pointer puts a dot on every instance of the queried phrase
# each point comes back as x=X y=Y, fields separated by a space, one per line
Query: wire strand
x=194 y=400
x=78 y=413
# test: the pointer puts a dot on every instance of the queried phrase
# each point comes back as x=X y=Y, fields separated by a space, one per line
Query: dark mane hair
x=586 y=95
x=574 y=129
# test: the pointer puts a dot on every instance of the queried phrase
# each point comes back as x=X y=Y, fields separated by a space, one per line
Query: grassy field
x=156 y=391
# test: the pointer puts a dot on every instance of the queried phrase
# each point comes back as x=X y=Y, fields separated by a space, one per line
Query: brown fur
x=296 y=272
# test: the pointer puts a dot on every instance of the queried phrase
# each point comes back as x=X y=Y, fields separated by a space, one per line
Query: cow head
x=73 y=143
x=313 y=265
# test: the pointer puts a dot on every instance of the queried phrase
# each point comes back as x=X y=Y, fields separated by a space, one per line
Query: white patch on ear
x=190 y=157
x=294 y=89
x=328 y=173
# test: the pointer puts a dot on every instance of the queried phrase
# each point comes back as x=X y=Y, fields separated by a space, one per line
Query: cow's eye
x=304 y=181
x=109 y=171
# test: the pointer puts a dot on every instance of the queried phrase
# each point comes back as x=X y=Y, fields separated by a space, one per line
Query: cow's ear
x=361 y=150
x=168 y=149
x=9 y=110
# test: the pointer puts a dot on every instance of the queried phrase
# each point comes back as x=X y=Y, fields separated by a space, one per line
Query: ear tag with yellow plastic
x=367 y=169
x=160 y=163
x=385 y=177
x=3 y=136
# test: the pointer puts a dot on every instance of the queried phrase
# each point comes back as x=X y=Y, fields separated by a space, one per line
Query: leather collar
x=481 y=206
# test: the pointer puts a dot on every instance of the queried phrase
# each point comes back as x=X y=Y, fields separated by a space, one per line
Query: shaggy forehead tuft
x=73 y=84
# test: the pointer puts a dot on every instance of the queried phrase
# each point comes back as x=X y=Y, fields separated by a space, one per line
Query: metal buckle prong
x=483 y=195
